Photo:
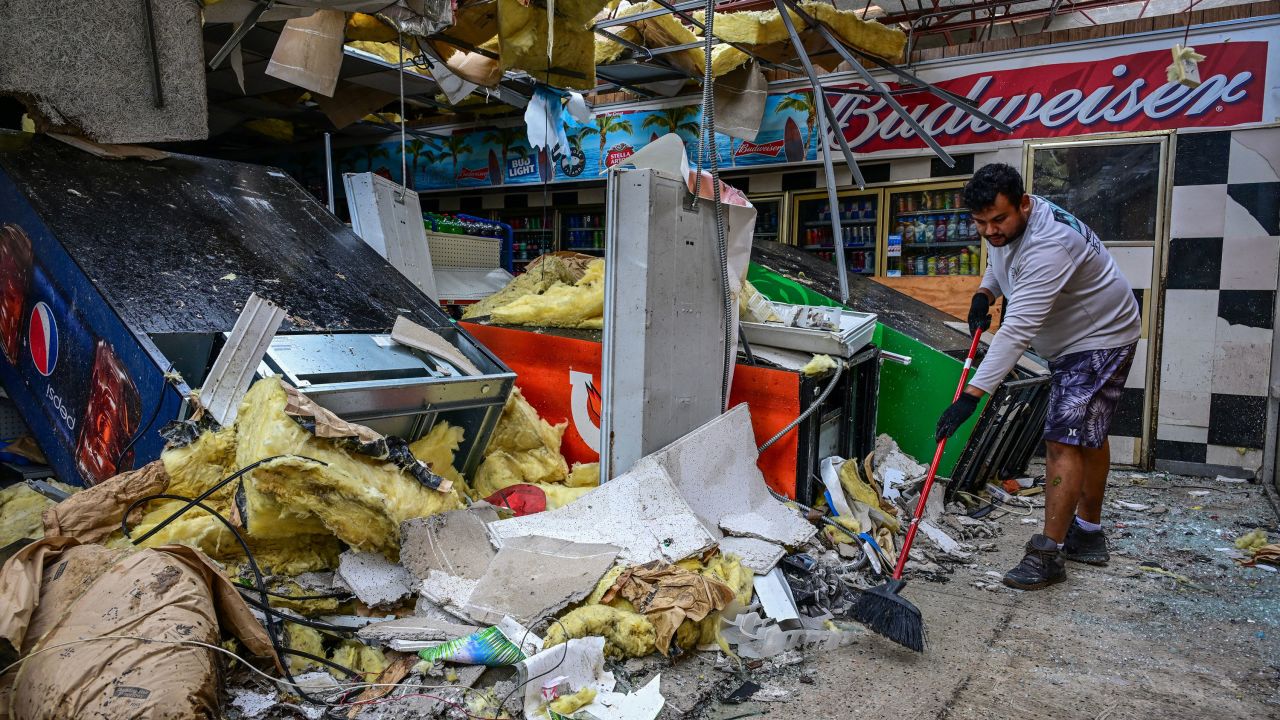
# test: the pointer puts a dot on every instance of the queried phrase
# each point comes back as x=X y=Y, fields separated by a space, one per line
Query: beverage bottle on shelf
x=971 y=229
x=939 y=228
x=825 y=213
x=908 y=232
x=953 y=228
x=965 y=267
x=932 y=264
x=921 y=237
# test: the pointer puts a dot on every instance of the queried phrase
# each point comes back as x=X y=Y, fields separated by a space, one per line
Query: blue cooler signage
x=80 y=377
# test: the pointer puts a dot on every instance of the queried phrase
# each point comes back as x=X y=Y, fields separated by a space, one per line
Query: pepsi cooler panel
x=70 y=360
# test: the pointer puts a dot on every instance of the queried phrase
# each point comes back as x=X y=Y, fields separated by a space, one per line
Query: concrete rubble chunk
x=413 y=628
x=456 y=543
x=374 y=579
x=533 y=577
x=676 y=502
x=714 y=468
x=756 y=555
x=640 y=512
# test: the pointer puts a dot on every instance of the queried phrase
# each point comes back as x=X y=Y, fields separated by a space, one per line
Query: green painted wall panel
x=911 y=396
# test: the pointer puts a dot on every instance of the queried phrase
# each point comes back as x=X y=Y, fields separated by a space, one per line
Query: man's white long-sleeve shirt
x=1064 y=293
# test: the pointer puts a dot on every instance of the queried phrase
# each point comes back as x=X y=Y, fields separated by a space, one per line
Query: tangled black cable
x=260 y=586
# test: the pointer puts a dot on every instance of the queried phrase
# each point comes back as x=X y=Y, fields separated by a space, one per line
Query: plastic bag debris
x=758 y=637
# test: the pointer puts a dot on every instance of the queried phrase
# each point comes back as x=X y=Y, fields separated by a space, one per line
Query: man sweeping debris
x=1065 y=297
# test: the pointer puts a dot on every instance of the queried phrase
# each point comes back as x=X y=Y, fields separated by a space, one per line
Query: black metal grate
x=1006 y=436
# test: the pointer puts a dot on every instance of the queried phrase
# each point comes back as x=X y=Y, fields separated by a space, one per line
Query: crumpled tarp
x=668 y=595
x=58 y=591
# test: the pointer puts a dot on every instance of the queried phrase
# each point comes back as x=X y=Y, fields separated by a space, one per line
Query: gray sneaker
x=1086 y=547
x=1041 y=567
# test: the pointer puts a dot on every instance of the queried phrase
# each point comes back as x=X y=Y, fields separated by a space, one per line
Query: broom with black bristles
x=882 y=608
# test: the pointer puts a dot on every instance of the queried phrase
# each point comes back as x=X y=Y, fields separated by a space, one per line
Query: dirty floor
x=1110 y=643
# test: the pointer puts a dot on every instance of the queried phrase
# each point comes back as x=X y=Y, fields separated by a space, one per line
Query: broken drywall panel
x=407 y=332
x=639 y=512
x=448 y=593
x=413 y=628
x=756 y=555
x=455 y=542
x=714 y=469
x=374 y=579
x=643 y=704
x=90 y=68
x=532 y=577
x=309 y=52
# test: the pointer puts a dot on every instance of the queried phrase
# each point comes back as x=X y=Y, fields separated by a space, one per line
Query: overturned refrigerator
x=121 y=279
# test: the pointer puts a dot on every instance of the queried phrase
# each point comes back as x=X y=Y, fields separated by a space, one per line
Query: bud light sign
x=522 y=167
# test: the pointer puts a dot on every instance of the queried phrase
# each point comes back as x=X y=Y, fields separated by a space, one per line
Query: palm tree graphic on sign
x=374 y=153
x=802 y=102
x=418 y=151
x=678 y=120
x=454 y=146
x=606 y=124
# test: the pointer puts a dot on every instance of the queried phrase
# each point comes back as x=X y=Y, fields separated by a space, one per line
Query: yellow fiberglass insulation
x=369 y=662
x=523 y=448
x=819 y=365
x=21 y=509
x=198 y=529
x=569 y=704
x=526 y=43
x=580 y=305
x=585 y=475
x=438 y=448
x=390 y=52
x=727 y=58
x=537 y=279
x=359 y=499
x=626 y=634
x=362 y=26
x=754 y=27
x=303 y=639
x=198 y=466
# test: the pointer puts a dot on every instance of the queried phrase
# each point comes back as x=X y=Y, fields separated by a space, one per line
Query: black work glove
x=979 y=313
x=954 y=416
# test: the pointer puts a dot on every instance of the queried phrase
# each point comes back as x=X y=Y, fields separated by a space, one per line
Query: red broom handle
x=933 y=467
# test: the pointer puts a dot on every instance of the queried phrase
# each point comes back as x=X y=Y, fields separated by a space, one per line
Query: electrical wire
x=155 y=412
x=520 y=645
x=296 y=619
x=707 y=147
x=826 y=392
x=260 y=586
x=196 y=501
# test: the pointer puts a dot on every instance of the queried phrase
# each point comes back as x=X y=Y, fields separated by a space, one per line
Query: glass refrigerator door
x=856 y=213
x=533 y=235
x=582 y=229
x=768 y=218
x=938 y=236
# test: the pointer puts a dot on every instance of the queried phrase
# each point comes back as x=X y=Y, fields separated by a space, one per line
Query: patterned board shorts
x=1085 y=390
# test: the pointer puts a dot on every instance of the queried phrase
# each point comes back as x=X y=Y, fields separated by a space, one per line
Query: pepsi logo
x=43 y=336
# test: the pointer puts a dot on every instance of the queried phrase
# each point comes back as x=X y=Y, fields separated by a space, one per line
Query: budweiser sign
x=480 y=173
x=1119 y=94
x=769 y=149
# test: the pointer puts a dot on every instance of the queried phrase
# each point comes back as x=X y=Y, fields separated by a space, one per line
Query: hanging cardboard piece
x=351 y=102
x=740 y=101
x=309 y=52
